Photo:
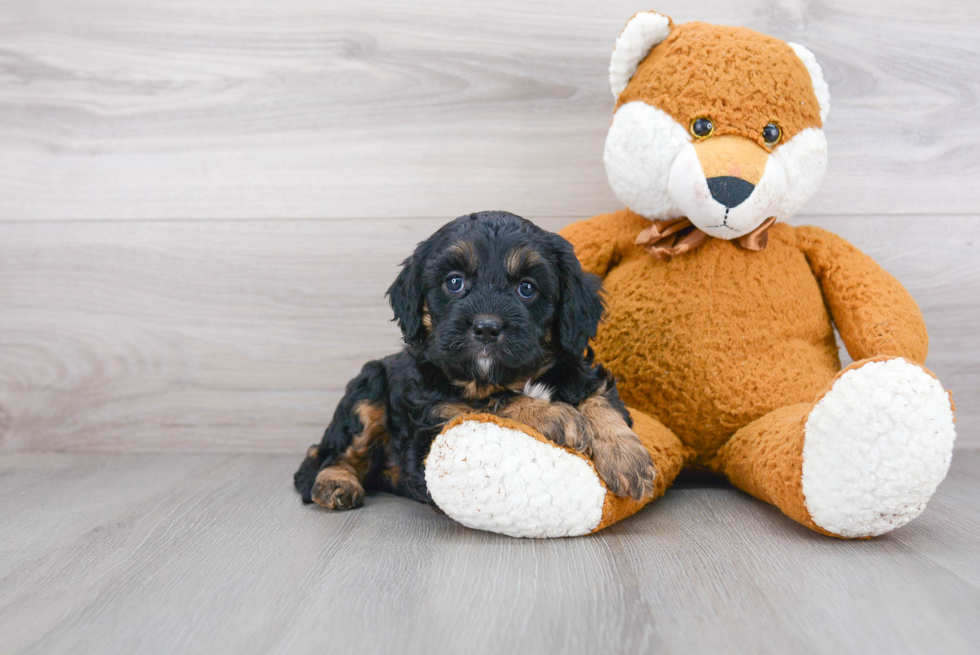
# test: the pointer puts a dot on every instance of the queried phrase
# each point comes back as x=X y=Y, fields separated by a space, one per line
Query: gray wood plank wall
x=201 y=203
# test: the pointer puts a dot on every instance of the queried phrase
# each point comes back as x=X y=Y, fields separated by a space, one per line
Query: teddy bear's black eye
x=526 y=289
x=454 y=283
x=702 y=127
x=771 y=133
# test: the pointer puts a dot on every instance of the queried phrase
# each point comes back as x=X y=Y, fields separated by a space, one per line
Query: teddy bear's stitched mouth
x=724 y=222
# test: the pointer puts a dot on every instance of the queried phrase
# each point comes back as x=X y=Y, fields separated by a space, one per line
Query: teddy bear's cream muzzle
x=727 y=186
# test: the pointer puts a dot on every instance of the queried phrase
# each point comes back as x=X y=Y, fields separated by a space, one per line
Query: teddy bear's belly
x=717 y=338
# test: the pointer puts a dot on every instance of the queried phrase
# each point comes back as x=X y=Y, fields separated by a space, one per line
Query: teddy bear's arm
x=873 y=312
x=600 y=241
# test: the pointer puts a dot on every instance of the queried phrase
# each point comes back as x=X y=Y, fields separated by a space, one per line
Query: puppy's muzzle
x=486 y=328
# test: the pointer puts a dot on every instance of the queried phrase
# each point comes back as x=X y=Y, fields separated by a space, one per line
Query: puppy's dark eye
x=702 y=127
x=526 y=289
x=771 y=133
x=455 y=283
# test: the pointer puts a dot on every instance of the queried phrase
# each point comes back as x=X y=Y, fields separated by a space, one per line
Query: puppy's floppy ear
x=580 y=306
x=406 y=295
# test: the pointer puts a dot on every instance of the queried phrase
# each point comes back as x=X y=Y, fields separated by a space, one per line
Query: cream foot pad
x=877 y=445
x=488 y=474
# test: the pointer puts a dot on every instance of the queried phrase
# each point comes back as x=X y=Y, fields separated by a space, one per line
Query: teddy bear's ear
x=820 y=87
x=645 y=30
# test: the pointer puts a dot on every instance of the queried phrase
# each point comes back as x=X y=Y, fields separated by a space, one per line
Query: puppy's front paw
x=566 y=426
x=337 y=487
x=559 y=422
x=624 y=464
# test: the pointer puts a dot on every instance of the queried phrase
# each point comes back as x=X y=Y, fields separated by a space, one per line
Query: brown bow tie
x=676 y=236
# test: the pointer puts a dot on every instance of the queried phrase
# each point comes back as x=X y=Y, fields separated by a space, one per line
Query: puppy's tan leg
x=341 y=485
x=617 y=453
x=559 y=422
x=449 y=411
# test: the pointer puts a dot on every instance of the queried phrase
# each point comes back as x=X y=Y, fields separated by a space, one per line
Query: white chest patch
x=537 y=390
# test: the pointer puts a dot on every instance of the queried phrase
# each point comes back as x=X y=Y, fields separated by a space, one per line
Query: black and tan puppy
x=496 y=315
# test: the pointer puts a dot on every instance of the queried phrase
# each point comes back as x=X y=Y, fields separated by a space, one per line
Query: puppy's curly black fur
x=497 y=315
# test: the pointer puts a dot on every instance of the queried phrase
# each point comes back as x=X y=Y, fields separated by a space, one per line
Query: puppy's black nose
x=486 y=328
x=730 y=191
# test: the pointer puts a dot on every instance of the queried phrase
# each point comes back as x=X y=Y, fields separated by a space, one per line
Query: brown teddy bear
x=720 y=319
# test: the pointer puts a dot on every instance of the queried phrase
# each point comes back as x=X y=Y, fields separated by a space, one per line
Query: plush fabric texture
x=861 y=461
x=820 y=87
x=713 y=339
x=641 y=147
x=765 y=459
x=690 y=189
x=731 y=348
x=494 y=474
x=804 y=161
x=876 y=446
x=749 y=80
x=643 y=31
x=872 y=310
x=744 y=81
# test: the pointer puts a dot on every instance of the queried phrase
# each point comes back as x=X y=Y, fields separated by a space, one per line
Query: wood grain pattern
x=185 y=109
x=214 y=553
x=200 y=330
x=239 y=336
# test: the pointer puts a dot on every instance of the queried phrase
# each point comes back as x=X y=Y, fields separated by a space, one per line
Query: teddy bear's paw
x=876 y=446
x=490 y=477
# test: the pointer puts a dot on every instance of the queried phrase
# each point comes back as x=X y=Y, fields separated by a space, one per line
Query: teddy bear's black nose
x=730 y=191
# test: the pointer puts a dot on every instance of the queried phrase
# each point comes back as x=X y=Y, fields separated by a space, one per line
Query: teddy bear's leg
x=861 y=461
x=499 y=475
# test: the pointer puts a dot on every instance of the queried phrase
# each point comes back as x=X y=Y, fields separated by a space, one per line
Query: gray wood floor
x=209 y=553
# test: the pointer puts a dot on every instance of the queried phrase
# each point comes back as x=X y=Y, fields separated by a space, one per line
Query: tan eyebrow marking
x=466 y=253
x=521 y=258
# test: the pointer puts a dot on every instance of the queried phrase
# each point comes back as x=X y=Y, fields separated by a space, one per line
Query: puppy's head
x=491 y=298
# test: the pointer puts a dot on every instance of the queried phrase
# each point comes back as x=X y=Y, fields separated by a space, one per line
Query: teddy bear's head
x=721 y=125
